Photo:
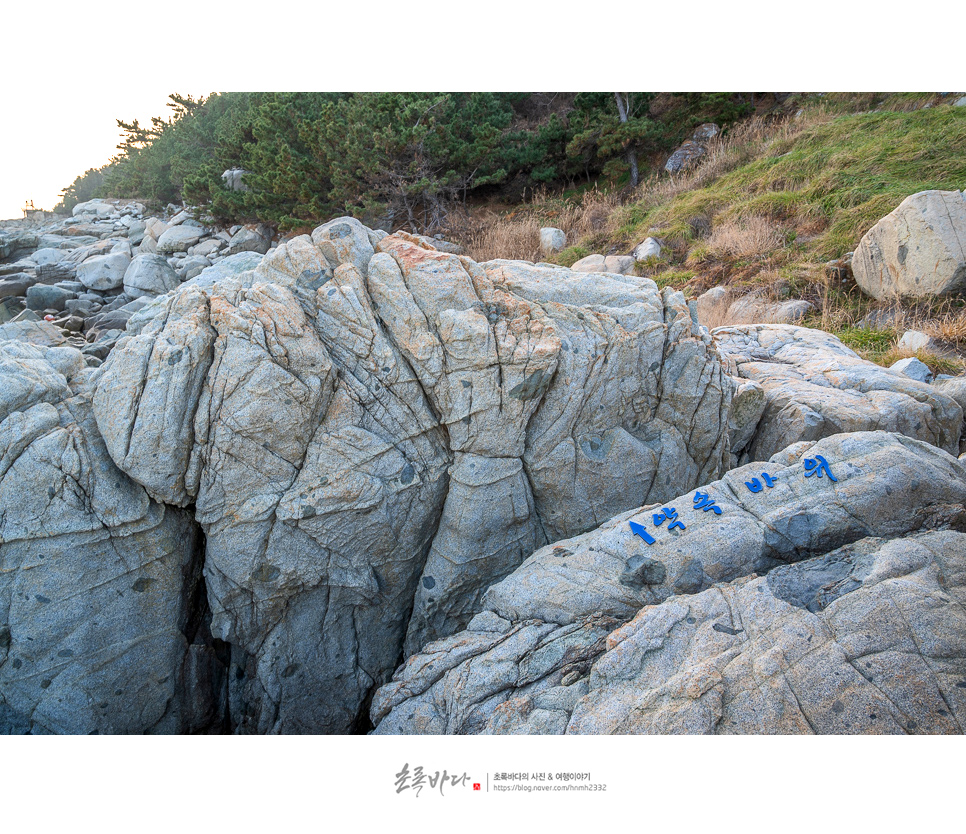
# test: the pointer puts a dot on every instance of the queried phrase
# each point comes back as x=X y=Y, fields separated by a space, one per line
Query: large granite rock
x=815 y=387
x=552 y=240
x=368 y=431
x=149 y=276
x=102 y=611
x=690 y=151
x=178 y=239
x=810 y=605
x=917 y=250
x=249 y=240
x=103 y=272
x=870 y=638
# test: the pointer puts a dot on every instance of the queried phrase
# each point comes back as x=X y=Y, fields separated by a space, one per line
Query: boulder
x=40 y=333
x=917 y=250
x=52 y=273
x=15 y=285
x=207 y=247
x=178 y=239
x=103 y=625
x=149 y=275
x=691 y=150
x=815 y=387
x=90 y=250
x=647 y=248
x=248 y=240
x=191 y=266
x=437 y=242
x=888 y=318
x=233 y=266
x=47 y=256
x=103 y=272
x=712 y=306
x=97 y=208
x=955 y=387
x=365 y=435
x=45 y=297
x=914 y=340
x=233 y=179
x=552 y=241
x=863 y=575
x=615 y=264
x=719 y=306
x=754 y=309
x=912 y=368
x=154 y=227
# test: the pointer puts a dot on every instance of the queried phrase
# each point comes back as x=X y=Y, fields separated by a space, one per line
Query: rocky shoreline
x=349 y=482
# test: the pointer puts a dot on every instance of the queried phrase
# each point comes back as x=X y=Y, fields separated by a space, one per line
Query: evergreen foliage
x=394 y=159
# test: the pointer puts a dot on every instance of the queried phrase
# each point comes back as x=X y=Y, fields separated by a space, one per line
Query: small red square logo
x=476 y=786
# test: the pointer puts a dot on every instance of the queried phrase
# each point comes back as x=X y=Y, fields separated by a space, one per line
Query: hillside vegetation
x=394 y=159
x=792 y=183
x=770 y=204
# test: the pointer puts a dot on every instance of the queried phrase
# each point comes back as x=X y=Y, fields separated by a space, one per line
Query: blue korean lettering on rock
x=818 y=466
x=702 y=501
x=755 y=485
x=668 y=514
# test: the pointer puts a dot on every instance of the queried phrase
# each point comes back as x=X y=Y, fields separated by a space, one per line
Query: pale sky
x=69 y=70
x=56 y=140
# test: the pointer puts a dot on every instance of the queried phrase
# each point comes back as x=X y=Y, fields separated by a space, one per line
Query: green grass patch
x=869 y=344
x=570 y=255
x=841 y=175
x=678 y=279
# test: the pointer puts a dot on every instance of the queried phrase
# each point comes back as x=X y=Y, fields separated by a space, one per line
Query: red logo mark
x=476 y=786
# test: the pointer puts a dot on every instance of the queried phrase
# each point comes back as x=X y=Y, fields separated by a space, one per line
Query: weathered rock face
x=365 y=432
x=149 y=275
x=692 y=149
x=103 y=272
x=178 y=239
x=810 y=605
x=101 y=598
x=917 y=250
x=867 y=639
x=815 y=387
x=552 y=240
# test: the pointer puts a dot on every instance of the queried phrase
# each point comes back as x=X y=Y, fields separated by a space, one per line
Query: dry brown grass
x=750 y=237
x=938 y=363
x=599 y=215
x=948 y=326
x=516 y=235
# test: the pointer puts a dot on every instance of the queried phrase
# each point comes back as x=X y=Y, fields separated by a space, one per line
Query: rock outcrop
x=815 y=387
x=819 y=600
x=720 y=306
x=296 y=469
x=365 y=431
x=692 y=149
x=102 y=603
x=918 y=250
x=552 y=241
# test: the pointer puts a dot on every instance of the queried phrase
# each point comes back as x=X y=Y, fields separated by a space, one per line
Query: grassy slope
x=774 y=203
x=841 y=175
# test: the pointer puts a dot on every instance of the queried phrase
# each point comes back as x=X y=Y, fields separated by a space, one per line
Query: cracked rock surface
x=810 y=605
x=371 y=433
x=815 y=387
x=101 y=598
